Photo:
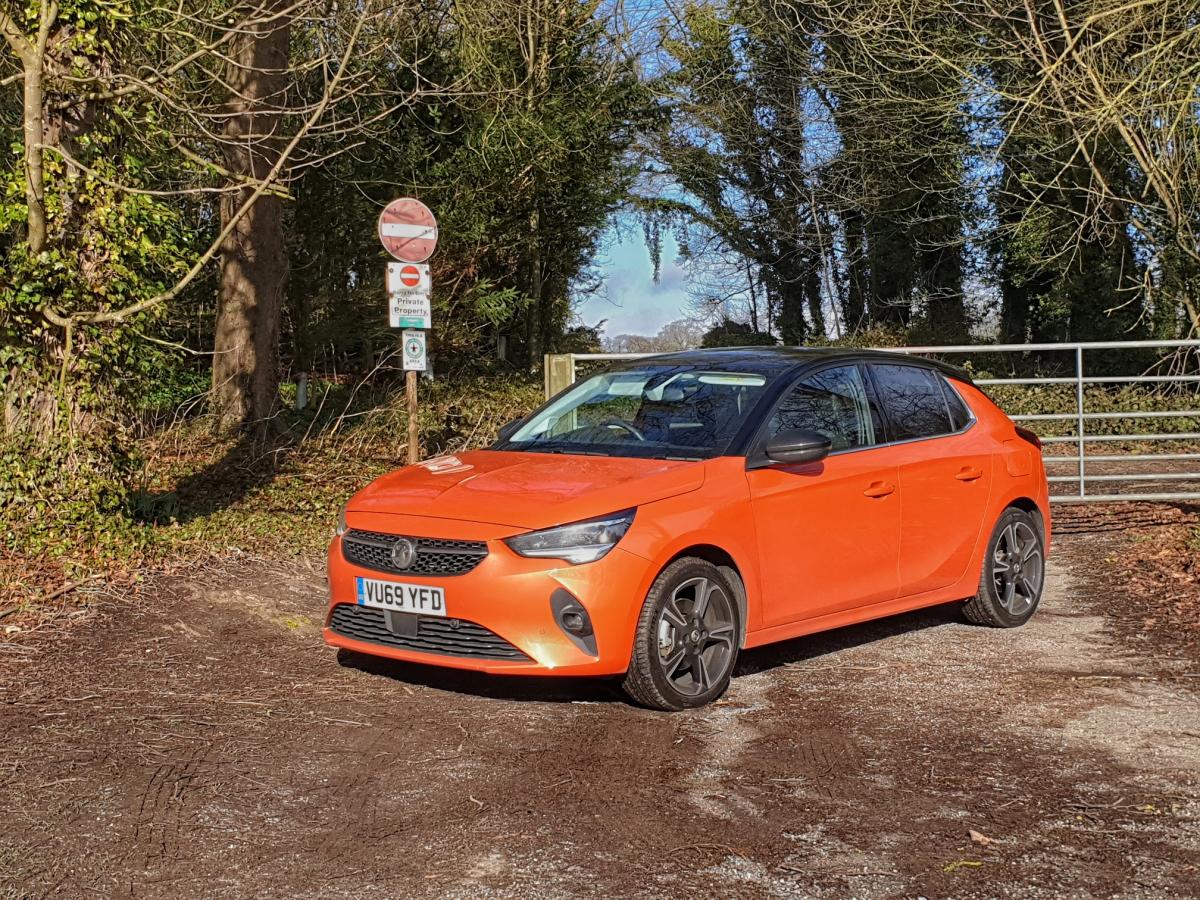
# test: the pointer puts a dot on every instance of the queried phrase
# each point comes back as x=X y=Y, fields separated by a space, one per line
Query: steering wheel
x=621 y=423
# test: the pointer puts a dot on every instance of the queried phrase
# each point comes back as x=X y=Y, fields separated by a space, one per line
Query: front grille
x=446 y=637
x=435 y=556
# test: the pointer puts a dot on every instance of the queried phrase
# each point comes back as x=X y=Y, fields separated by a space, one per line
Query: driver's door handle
x=879 y=489
x=969 y=473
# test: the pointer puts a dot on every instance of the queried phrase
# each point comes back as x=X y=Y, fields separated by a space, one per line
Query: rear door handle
x=879 y=489
x=969 y=473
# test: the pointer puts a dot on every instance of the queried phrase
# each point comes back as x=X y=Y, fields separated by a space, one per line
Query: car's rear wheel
x=1014 y=572
x=687 y=638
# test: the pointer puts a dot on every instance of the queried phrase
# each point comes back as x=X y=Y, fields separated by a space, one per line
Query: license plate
x=401 y=597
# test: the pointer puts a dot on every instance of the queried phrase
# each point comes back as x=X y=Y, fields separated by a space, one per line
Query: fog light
x=574 y=620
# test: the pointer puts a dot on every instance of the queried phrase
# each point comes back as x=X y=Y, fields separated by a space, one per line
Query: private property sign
x=410 y=309
x=409 y=288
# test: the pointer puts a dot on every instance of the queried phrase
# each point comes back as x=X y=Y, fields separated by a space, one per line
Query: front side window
x=914 y=401
x=833 y=402
x=657 y=411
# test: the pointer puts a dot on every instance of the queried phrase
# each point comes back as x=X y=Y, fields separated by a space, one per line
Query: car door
x=945 y=474
x=827 y=532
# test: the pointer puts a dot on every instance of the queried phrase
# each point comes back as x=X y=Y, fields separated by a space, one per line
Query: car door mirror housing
x=798 y=445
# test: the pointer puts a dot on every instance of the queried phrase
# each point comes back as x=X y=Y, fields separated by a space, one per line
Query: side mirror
x=507 y=429
x=798 y=445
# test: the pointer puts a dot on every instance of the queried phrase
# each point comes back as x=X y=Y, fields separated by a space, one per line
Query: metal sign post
x=408 y=231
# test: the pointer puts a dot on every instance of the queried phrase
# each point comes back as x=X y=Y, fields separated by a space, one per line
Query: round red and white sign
x=408 y=230
x=410 y=276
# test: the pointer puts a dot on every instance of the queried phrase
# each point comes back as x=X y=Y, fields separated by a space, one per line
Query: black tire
x=669 y=626
x=1014 y=573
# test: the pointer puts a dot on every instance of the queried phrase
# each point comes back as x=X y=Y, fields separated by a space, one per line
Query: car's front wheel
x=687 y=638
x=1014 y=572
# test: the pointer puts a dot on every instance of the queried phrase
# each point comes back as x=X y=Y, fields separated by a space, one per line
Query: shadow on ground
x=607 y=690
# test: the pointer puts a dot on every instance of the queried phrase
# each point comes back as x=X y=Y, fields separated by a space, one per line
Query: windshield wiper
x=560 y=448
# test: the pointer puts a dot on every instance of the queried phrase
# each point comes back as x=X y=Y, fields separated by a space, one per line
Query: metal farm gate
x=1106 y=437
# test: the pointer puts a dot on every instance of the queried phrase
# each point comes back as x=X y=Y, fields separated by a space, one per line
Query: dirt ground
x=200 y=740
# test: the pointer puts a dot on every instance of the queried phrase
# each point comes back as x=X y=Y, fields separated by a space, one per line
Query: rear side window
x=833 y=402
x=914 y=401
x=959 y=414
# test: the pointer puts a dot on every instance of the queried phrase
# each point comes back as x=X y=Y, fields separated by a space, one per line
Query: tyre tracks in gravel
x=201 y=741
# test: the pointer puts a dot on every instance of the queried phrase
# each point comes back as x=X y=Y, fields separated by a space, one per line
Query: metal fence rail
x=561 y=370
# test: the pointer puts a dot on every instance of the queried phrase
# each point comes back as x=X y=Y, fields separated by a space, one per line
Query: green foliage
x=518 y=167
x=124 y=247
x=728 y=333
x=523 y=172
x=169 y=384
x=1053 y=399
x=63 y=498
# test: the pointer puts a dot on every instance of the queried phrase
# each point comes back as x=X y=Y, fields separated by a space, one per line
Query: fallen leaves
x=979 y=838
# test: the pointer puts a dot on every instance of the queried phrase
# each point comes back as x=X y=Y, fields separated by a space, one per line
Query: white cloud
x=632 y=302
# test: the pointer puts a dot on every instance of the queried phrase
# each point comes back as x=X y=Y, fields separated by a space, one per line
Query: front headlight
x=342 y=527
x=580 y=542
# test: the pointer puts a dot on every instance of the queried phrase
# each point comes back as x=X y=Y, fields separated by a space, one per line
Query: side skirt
x=862 y=614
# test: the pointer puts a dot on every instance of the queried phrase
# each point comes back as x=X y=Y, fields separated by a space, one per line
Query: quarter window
x=914 y=401
x=833 y=402
x=959 y=414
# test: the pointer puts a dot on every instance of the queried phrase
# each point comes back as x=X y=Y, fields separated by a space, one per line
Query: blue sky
x=631 y=301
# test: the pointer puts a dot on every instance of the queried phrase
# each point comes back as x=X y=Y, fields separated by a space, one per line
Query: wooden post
x=558 y=372
x=414 y=437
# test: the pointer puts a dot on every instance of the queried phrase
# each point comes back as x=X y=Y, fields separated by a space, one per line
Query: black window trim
x=948 y=388
x=943 y=380
x=756 y=457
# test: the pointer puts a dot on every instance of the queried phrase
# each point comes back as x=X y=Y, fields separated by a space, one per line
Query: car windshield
x=683 y=412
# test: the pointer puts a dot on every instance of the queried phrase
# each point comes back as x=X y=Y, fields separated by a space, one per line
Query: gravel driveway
x=200 y=740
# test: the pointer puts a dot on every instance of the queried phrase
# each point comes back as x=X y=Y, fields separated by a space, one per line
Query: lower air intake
x=441 y=636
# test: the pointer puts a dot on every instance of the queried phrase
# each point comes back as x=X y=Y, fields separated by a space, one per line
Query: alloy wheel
x=696 y=631
x=1017 y=568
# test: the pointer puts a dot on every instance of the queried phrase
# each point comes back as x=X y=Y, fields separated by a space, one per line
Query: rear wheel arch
x=728 y=567
x=1028 y=505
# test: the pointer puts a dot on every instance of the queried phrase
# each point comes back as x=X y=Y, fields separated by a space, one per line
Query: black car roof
x=777 y=360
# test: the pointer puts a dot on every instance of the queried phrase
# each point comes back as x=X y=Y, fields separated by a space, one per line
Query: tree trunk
x=890 y=259
x=35 y=199
x=533 y=317
x=854 y=302
x=812 y=294
x=791 y=310
x=253 y=259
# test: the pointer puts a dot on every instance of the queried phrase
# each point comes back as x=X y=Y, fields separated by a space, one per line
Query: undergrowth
x=185 y=494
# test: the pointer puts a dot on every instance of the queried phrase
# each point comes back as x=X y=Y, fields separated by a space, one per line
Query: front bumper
x=505 y=596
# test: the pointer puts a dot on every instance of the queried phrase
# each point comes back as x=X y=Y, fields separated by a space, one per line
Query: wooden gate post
x=558 y=372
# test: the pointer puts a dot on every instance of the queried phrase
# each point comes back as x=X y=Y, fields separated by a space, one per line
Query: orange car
x=654 y=519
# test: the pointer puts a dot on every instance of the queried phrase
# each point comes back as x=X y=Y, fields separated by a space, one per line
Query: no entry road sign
x=403 y=277
x=408 y=230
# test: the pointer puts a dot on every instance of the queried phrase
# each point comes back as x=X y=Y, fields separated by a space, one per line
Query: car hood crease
x=526 y=490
